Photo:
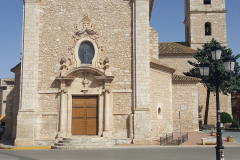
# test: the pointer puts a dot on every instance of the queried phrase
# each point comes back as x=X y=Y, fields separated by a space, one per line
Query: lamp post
x=229 y=64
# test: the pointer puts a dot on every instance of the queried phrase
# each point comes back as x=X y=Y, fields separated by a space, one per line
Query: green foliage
x=227 y=83
x=235 y=123
x=225 y=117
x=200 y=122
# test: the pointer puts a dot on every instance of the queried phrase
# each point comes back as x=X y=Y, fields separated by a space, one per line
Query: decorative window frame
x=78 y=61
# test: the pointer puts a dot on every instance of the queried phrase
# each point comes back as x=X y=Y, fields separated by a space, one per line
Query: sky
x=167 y=19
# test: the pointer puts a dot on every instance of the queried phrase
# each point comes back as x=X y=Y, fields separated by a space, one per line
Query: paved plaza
x=234 y=133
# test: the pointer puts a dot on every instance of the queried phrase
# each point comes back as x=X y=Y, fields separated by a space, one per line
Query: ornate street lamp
x=204 y=70
x=229 y=63
x=216 y=51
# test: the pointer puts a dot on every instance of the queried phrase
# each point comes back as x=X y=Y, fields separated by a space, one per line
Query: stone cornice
x=202 y=12
x=212 y=11
x=108 y=78
x=85 y=69
x=157 y=65
x=10 y=82
x=176 y=54
x=184 y=80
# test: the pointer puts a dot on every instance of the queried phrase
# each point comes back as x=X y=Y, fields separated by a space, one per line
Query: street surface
x=123 y=153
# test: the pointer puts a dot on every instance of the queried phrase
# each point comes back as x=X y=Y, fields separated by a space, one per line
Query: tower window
x=207 y=1
x=207 y=28
x=86 y=52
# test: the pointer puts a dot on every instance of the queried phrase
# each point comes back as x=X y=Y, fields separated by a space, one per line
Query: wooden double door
x=84 y=115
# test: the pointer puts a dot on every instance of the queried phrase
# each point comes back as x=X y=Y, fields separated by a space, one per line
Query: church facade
x=96 y=68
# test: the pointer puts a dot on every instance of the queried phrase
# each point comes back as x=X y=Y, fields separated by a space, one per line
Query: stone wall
x=58 y=22
x=179 y=63
x=186 y=94
x=153 y=43
x=8 y=112
x=161 y=103
x=122 y=108
x=198 y=5
x=16 y=102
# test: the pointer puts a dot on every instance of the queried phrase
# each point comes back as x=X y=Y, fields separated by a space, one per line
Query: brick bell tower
x=204 y=20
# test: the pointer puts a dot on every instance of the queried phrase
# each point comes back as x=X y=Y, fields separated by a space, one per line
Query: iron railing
x=166 y=138
x=184 y=138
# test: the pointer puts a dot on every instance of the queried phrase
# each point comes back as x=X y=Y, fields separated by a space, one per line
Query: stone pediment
x=87 y=69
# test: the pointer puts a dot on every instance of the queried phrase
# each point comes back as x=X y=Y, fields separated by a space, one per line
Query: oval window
x=86 y=53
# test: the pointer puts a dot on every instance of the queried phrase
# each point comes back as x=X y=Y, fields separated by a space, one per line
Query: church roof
x=175 y=48
x=156 y=64
x=17 y=66
x=184 y=78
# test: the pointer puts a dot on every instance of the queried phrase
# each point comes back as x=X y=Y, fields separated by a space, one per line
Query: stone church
x=95 y=69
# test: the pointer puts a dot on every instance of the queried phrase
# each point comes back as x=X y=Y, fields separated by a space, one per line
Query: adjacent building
x=6 y=98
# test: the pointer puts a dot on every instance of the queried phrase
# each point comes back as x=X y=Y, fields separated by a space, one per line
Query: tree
x=225 y=117
x=227 y=82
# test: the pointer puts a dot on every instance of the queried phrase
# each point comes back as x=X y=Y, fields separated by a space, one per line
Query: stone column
x=107 y=114
x=106 y=111
x=63 y=114
x=142 y=116
x=29 y=74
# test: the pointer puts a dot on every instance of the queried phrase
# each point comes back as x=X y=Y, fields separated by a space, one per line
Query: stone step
x=80 y=147
x=83 y=143
x=78 y=144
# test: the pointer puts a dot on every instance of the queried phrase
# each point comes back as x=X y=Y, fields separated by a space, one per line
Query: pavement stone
x=234 y=133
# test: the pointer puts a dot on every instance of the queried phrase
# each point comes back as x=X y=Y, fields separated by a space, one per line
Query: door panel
x=84 y=116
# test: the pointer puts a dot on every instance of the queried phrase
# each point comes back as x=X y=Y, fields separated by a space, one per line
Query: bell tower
x=204 y=20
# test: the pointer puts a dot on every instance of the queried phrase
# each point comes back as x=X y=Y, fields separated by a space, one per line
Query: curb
x=25 y=148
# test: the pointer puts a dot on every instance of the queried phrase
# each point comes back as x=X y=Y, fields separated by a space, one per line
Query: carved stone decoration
x=66 y=64
x=86 y=31
x=63 y=63
x=86 y=28
x=85 y=82
x=103 y=64
x=106 y=63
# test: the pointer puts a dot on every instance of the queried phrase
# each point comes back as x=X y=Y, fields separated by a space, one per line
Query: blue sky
x=167 y=19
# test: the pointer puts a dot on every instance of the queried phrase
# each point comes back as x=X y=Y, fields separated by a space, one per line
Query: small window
x=86 y=52
x=4 y=101
x=4 y=88
x=207 y=1
x=208 y=28
x=159 y=111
